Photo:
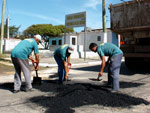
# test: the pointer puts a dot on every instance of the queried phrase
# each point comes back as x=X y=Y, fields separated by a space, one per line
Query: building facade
x=82 y=40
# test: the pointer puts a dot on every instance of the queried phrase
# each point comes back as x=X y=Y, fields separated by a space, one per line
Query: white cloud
x=93 y=3
x=43 y=17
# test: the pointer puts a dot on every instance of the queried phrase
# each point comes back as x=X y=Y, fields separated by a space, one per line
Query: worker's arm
x=102 y=66
x=68 y=60
x=66 y=69
x=36 y=61
x=31 y=59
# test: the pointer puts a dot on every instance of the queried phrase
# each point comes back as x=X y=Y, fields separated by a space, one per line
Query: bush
x=21 y=37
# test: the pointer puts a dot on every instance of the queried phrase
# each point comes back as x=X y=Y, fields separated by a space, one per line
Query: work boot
x=115 y=92
x=27 y=90
x=16 y=91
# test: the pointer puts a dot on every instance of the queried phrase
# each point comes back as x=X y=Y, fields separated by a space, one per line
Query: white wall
x=109 y=37
x=9 y=44
x=69 y=39
x=90 y=37
x=75 y=54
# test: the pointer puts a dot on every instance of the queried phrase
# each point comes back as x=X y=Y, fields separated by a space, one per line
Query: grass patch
x=2 y=55
x=6 y=69
x=9 y=70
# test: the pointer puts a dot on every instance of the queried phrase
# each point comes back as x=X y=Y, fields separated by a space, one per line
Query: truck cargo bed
x=132 y=15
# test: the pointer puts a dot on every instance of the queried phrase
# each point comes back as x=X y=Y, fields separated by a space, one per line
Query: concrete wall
x=9 y=44
x=90 y=37
x=93 y=37
x=75 y=54
x=79 y=49
x=53 y=47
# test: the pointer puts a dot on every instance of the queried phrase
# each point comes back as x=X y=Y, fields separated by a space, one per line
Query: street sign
x=75 y=20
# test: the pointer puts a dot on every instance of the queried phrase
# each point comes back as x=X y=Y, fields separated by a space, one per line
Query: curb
x=78 y=64
x=55 y=65
x=5 y=59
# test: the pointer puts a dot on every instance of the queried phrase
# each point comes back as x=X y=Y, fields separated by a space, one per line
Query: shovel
x=66 y=77
x=36 y=79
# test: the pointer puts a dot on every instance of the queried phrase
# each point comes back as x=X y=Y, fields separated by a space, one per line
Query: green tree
x=62 y=28
x=13 y=30
x=46 y=30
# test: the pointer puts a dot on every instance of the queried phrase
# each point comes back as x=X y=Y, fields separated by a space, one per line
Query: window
x=98 y=38
x=73 y=41
x=53 y=42
x=59 y=42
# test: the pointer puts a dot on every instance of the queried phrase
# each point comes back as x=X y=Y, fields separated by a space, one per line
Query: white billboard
x=75 y=20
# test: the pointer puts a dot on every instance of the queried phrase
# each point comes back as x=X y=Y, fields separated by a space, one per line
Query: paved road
x=81 y=95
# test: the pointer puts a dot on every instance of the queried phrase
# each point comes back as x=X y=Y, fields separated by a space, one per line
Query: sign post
x=76 y=20
x=84 y=43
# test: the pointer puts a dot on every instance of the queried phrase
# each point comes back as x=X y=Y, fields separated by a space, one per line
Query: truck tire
x=129 y=62
x=135 y=63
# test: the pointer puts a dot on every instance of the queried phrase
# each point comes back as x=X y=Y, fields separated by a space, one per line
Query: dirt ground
x=6 y=69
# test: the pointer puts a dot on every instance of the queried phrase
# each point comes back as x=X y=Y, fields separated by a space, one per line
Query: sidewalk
x=50 y=61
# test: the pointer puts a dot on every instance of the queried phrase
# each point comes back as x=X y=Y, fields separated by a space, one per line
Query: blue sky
x=25 y=13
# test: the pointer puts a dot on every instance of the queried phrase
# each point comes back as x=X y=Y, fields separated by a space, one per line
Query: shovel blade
x=37 y=81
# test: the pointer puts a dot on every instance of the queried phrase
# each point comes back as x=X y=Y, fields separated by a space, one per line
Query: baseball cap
x=38 y=37
x=71 y=49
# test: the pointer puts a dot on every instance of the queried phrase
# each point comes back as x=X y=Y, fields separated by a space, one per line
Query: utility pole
x=104 y=21
x=2 y=27
x=8 y=27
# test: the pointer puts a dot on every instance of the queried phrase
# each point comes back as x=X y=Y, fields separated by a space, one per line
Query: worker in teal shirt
x=114 y=61
x=20 y=55
x=62 y=57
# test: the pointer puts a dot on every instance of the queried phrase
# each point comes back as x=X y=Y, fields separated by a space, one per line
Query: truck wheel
x=134 y=63
x=129 y=62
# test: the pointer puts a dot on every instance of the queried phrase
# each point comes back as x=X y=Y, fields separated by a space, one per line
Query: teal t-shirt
x=61 y=51
x=24 y=49
x=108 y=49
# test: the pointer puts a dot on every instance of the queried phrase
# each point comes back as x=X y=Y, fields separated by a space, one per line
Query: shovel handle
x=36 y=73
x=69 y=67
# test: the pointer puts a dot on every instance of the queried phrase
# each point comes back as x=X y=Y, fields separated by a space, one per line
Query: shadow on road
x=53 y=76
x=7 y=86
x=123 y=70
x=70 y=96
x=124 y=84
